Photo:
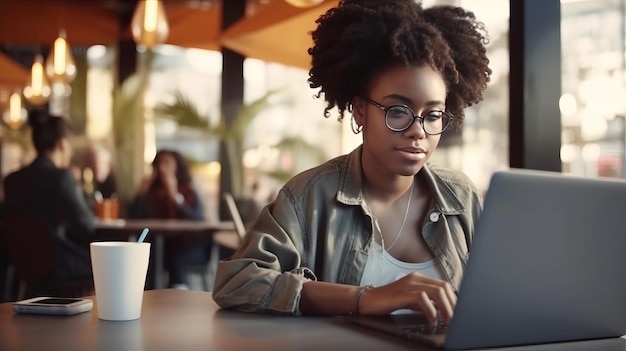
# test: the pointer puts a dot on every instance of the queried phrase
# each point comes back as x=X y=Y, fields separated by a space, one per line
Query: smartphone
x=62 y=306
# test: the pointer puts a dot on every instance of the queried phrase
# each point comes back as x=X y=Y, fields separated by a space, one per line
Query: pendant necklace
x=406 y=213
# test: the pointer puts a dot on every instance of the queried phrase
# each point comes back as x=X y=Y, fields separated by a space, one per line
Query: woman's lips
x=413 y=153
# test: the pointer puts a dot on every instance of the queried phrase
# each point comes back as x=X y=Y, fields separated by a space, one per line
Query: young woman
x=380 y=229
x=168 y=193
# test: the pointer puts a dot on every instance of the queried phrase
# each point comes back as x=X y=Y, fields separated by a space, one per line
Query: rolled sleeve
x=264 y=275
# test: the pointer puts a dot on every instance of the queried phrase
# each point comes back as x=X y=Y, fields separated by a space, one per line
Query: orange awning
x=12 y=74
x=39 y=22
x=278 y=32
x=194 y=27
x=98 y=22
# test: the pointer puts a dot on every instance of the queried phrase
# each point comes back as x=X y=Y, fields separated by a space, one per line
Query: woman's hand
x=170 y=183
x=414 y=291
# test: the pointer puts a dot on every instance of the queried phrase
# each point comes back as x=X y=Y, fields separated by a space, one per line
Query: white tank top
x=381 y=268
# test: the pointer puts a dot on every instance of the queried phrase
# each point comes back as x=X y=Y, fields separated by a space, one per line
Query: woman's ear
x=358 y=110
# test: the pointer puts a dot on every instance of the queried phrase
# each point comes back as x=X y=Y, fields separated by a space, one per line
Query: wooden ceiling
x=272 y=31
x=90 y=22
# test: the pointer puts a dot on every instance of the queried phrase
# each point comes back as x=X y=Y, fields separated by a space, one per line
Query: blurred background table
x=130 y=229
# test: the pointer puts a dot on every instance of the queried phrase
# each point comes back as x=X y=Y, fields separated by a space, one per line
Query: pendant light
x=149 y=23
x=304 y=3
x=15 y=115
x=60 y=65
x=37 y=91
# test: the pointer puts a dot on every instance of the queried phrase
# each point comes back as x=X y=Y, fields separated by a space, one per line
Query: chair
x=231 y=239
x=225 y=239
x=6 y=271
x=32 y=250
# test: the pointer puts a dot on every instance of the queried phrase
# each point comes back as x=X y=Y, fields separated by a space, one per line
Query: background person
x=47 y=188
x=99 y=159
x=381 y=215
x=167 y=194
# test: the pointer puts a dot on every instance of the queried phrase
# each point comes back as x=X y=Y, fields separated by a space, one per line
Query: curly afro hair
x=361 y=38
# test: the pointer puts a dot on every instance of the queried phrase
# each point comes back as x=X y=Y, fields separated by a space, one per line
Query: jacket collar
x=446 y=200
x=351 y=179
x=43 y=161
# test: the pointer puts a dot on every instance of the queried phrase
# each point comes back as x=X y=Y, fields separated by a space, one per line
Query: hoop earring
x=356 y=129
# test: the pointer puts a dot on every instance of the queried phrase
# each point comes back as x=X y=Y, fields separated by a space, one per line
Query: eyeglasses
x=399 y=118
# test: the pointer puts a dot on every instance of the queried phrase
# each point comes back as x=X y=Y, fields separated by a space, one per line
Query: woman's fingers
x=424 y=304
x=432 y=296
x=442 y=303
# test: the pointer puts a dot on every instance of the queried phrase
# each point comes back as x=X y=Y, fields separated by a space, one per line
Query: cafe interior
x=224 y=82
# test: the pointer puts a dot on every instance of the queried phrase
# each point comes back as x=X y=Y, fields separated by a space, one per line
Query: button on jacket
x=319 y=228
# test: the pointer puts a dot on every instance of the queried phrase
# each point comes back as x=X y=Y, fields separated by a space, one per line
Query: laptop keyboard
x=426 y=329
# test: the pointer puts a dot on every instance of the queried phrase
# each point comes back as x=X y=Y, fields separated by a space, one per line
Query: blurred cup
x=119 y=274
x=107 y=209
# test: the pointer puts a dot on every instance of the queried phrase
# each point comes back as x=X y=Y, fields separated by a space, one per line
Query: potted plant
x=232 y=136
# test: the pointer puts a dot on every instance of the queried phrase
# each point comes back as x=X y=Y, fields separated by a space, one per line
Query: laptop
x=547 y=264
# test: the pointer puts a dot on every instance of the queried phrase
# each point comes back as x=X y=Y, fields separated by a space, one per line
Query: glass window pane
x=593 y=98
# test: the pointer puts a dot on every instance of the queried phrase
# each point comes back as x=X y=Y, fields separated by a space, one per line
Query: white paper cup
x=119 y=274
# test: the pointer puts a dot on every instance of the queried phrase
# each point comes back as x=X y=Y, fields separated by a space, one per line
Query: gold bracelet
x=358 y=296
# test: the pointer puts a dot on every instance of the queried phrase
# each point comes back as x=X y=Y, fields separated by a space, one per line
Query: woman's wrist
x=359 y=294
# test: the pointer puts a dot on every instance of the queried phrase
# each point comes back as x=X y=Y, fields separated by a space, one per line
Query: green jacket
x=319 y=228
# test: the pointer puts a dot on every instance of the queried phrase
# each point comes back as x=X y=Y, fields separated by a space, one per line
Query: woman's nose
x=416 y=130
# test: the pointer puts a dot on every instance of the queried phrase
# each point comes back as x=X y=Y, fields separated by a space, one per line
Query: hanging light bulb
x=304 y=3
x=15 y=115
x=37 y=91
x=149 y=24
x=60 y=66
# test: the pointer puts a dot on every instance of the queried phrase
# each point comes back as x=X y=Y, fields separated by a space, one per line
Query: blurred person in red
x=168 y=193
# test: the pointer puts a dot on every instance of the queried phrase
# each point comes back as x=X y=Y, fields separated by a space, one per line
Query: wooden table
x=190 y=320
x=129 y=229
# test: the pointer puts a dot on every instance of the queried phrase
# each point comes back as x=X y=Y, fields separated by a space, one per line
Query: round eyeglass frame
x=415 y=117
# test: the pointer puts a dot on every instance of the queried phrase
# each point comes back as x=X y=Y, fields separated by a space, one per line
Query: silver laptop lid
x=547 y=263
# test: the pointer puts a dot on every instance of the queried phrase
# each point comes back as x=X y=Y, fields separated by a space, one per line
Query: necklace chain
x=406 y=213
